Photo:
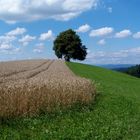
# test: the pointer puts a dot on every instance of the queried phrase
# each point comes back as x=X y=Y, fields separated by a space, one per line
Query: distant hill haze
x=117 y=66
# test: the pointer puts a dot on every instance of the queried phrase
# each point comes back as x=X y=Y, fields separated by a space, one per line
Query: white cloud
x=126 y=56
x=4 y=46
x=101 y=32
x=110 y=9
x=47 y=36
x=6 y=43
x=123 y=34
x=27 y=39
x=8 y=48
x=39 y=48
x=17 y=50
x=83 y=28
x=6 y=39
x=102 y=42
x=17 y=31
x=13 y=11
x=136 y=35
x=37 y=51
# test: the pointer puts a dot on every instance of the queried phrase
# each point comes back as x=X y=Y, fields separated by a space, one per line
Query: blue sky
x=110 y=29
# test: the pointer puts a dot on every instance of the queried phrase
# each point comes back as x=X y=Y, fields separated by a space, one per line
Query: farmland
x=113 y=115
x=28 y=88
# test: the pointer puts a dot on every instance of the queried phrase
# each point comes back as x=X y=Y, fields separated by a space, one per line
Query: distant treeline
x=134 y=71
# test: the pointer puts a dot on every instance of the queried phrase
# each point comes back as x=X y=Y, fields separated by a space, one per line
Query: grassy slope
x=115 y=114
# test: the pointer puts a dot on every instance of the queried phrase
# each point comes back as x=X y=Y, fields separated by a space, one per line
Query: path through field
x=28 y=87
x=19 y=71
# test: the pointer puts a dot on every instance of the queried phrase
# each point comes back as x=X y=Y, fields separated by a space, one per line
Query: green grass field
x=115 y=115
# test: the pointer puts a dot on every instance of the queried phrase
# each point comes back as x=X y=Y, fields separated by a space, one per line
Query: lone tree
x=68 y=45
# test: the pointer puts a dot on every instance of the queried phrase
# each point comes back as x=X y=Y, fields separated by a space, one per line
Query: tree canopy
x=68 y=45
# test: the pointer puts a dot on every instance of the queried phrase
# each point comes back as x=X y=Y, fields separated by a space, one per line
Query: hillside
x=114 y=115
x=117 y=109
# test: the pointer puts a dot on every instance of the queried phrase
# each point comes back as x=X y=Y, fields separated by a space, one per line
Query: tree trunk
x=67 y=58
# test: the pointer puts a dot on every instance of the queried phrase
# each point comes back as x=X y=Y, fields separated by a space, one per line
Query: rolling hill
x=114 y=115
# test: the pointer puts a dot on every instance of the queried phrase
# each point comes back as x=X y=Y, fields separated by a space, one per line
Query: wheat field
x=30 y=87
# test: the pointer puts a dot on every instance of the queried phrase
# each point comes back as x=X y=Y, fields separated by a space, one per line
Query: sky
x=110 y=29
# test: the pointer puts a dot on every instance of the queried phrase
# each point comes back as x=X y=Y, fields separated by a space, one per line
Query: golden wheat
x=8 y=68
x=43 y=85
